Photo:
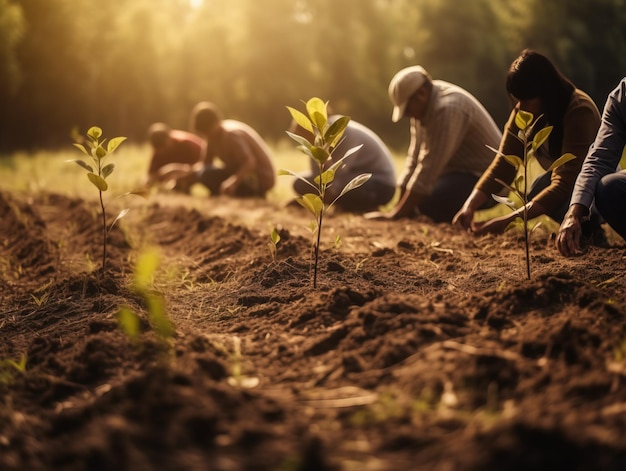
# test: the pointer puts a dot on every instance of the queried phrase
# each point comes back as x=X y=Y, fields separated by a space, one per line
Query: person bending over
x=601 y=182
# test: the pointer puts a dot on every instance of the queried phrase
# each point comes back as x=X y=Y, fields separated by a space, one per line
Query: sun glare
x=195 y=3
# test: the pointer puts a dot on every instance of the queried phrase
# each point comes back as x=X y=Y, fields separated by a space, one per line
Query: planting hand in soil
x=449 y=130
x=537 y=87
x=598 y=181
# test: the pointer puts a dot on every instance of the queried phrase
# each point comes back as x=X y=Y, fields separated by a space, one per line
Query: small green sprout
x=8 y=369
x=620 y=352
x=98 y=171
x=337 y=241
x=160 y=323
x=325 y=138
x=40 y=300
x=237 y=378
x=273 y=243
x=526 y=123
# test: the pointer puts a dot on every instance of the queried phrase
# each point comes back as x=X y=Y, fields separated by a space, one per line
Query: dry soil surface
x=422 y=347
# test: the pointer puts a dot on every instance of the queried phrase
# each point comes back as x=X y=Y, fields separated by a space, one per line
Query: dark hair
x=532 y=75
x=158 y=134
x=205 y=116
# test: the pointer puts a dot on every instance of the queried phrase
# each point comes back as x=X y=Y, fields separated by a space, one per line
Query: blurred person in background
x=171 y=146
x=447 y=153
x=601 y=183
x=535 y=85
x=236 y=161
x=373 y=157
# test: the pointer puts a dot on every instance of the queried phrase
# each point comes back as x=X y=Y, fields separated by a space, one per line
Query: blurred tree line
x=123 y=64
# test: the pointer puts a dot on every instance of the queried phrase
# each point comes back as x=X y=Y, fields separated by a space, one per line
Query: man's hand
x=464 y=219
x=568 y=238
x=492 y=226
x=229 y=186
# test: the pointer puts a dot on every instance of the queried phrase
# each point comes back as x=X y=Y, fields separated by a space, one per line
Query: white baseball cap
x=404 y=84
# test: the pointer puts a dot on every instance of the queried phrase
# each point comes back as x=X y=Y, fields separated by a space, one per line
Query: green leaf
x=307 y=150
x=81 y=148
x=333 y=134
x=523 y=119
x=533 y=227
x=100 y=152
x=354 y=183
x=515 y=161
x=120 y=215
x=145 y=269
x=301 y=119
x=107 y=170
x=128 y=322
x=494 y=149
x=98 y=181
x=84 y=165
x=325 y=178
x=319 y=120
x=561 y=160
x=115 y=143
x=506 y=185
x=158 y=318
x=275 y=236
x=320 y=154
x=313 y=203
x=504 y=200
x=348 y=153
x=299 y=139
x=541 y=137
x=517 y=223
x=143 y=192
x=94 y=133
x=282 y=172
x=518 y=183
x=272 y=248
x=317 y=112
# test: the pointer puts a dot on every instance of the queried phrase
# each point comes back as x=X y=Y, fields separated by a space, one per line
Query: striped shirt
x=451 y=138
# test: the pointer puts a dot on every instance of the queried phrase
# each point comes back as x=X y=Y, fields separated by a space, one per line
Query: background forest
x=123 y=64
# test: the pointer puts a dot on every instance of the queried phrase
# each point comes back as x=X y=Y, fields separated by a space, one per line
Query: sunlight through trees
x=127 y=63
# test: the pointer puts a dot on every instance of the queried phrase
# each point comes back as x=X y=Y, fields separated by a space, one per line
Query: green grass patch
x=52 y=171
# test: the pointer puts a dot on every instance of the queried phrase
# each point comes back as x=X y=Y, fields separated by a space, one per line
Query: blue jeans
x=610 y=201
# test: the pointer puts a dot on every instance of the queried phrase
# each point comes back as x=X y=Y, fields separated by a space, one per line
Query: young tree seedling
x=273 y=243
x=526 y=123
x=97 y=173
x=326 y=137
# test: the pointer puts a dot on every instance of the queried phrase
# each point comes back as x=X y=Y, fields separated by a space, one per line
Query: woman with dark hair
x=535 y=85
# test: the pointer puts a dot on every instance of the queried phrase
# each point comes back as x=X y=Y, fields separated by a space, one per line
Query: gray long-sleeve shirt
x=605 y=153
x=374 y=157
